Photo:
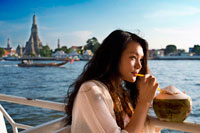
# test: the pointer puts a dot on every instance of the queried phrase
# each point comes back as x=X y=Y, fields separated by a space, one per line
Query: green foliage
x=2 y=52
x=69 y=50
x=63 y=48
x=92 y=44
x=182 y=50
x=45 y=51
x=57 y=49
x=79 y=51
x=170 y=49
x=196 y=49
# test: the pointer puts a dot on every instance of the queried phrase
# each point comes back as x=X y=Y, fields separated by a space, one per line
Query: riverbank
x=57 y=59
x=31 y=58
x=175 y=58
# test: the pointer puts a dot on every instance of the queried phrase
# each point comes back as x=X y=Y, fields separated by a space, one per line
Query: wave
x=194 y=115
x=197 y=84
x=8 y=65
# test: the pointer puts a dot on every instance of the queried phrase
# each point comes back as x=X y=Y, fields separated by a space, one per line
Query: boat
x=29 y=64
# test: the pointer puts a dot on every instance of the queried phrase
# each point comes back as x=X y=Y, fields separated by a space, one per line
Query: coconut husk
x=172 y=105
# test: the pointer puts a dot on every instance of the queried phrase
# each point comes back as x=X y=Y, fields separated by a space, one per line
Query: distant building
x=9 y=48
x=156 y=52
x=33 y=45
x=75 y=48
x=59 y=43
x=60 y=54
x=19 y=50
x=74 y=53
x=191 y=50
x=88 y=52
x=178 y=52
x=9 y=51
x=87 y=55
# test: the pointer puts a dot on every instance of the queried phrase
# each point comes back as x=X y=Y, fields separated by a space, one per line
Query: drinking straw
x=141 y=75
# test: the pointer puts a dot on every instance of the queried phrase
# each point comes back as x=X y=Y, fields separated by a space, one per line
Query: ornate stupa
x=33 y=45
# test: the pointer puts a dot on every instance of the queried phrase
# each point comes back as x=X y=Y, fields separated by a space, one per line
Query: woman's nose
x=138 y=64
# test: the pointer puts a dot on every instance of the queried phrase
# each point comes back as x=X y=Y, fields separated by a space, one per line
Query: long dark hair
x=104 y=67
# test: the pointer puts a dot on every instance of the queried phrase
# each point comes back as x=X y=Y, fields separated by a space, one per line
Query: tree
x=196 y=49
x=170 y=49
x=2 y=52
x=92 y=44
x=69 y=50
x=46 y=51
x=63 y=48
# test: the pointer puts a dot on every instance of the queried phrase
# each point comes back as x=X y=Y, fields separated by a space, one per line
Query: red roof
x=6 y=52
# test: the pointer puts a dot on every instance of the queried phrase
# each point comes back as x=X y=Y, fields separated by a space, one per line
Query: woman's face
x=131 y=61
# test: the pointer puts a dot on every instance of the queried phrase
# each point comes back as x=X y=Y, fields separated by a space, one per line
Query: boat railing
x=58 y=125
x=25 y=101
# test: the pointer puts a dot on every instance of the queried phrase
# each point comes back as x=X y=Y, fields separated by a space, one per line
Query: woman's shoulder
x=93 y=85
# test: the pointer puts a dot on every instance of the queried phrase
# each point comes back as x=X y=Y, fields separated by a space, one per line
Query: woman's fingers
x=151 y=80
x=147 y=88
x=156 y=86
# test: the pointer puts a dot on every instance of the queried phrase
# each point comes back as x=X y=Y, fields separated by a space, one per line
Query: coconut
x=172 y=105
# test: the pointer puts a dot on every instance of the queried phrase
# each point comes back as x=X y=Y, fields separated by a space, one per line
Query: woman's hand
x=147 y=86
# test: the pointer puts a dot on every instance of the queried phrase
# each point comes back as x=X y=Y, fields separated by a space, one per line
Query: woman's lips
x=134 y=73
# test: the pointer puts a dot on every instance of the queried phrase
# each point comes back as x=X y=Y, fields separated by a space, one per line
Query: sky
x=160 y=22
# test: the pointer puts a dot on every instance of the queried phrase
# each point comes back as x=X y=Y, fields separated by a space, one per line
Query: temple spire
x=8 y=44
x=34 y=19
x=58 y=43
x=33 y=45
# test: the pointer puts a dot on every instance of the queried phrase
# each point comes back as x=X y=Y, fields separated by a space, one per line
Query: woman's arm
x=147 y=87
x=138 y=119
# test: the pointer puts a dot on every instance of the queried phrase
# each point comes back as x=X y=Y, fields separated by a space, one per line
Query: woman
x=108 y=96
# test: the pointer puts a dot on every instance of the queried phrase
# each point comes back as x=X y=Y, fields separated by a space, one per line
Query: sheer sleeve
x=93 y=110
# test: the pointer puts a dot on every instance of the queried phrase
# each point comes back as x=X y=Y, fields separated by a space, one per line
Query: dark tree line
x=1 y=52
x=170 y=49
x=196 y=49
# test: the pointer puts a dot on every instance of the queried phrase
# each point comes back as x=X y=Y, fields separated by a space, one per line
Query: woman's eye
x=133 y=57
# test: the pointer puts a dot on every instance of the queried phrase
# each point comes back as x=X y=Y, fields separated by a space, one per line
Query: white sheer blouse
x=93 y=111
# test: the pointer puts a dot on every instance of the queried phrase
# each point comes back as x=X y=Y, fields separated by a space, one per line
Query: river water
x=51 y=83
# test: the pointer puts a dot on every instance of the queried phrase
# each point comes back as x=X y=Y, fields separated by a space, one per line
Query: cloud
x=83 y=35
x=179 y=12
